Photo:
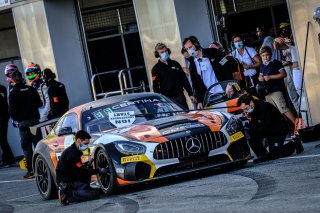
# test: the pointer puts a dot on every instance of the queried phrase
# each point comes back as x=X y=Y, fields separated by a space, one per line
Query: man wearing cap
x=59 y=102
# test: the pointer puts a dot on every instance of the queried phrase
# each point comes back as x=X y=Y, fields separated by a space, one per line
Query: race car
x=141 y=137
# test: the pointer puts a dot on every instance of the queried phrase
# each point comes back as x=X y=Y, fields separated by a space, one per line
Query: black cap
x=48 y=74
x=17 y=77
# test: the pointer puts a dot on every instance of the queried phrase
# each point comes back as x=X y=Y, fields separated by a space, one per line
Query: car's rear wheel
x=108 y=181
x=45 y=182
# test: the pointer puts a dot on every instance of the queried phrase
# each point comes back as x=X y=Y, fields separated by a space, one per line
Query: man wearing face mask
x=209 y=66
x=74 y=176
x=169 y=78
x=261 y=125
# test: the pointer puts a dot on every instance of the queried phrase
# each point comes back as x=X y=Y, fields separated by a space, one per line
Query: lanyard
x=200 y=60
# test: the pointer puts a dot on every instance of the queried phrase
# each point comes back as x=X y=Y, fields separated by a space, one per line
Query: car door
x=62 y=138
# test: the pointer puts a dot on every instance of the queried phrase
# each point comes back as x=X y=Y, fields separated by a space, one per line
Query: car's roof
x=111 y=100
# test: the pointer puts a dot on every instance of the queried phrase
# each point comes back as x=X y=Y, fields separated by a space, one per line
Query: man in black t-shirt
x=169 y=78
x=74 y=176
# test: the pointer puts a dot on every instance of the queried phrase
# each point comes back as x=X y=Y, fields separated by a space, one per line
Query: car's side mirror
x=65 y=131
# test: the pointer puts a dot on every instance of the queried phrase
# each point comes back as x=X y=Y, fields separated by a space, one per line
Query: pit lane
x=283 y=185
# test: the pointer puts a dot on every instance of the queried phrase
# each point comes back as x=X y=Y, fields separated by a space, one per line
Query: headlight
x=130 y=148
x=233 y=126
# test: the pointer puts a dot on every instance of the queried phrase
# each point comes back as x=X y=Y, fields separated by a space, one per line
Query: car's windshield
x=127 y=112
x=222 y=91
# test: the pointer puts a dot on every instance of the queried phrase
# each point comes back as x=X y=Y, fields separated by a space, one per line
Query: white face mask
x=193 y=53
x=250 y=110
x=164 y=56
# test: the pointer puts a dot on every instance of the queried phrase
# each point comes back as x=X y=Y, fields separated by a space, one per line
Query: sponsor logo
x=236 y=136
x=129 y=159
x=193 y=145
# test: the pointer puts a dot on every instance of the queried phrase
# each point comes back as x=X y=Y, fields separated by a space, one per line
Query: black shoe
x=298 y=145
x=262 y=158
x=62 y=197
x=6 y=164
x=28 y=175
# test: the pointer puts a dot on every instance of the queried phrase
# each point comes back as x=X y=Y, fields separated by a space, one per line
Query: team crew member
x=24 y=102
x=33 y=74
x=59 y=102
x=8 y=70
x=262 y=125
x=73 y=176
x=169 y=78
x=209 y=66
x=7 y=155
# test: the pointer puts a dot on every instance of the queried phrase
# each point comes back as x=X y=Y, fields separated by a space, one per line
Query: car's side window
x=58 y=126
x=71 y=121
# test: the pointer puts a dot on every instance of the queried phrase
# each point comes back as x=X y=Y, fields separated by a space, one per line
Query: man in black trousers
x=169 y=78
x=7 y=155
x=266 y=121
x=24 y=102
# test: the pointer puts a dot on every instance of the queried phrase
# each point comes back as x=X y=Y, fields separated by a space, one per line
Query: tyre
x=108 y=182
x=45 y=182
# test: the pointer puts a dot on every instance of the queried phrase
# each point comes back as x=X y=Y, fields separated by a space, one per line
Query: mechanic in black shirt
x=169 y=78
x=59 y=102
x=24 y=102
x=7 y=155
x=73 y=176
x=266 y=121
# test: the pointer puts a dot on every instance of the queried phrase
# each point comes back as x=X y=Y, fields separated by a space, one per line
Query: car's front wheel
x=108 y=181
x=45 y=182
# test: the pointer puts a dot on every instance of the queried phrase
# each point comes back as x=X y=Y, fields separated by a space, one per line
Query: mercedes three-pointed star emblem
x=193 y=145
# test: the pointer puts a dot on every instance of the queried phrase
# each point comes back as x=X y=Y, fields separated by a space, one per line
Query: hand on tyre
x=103 y=171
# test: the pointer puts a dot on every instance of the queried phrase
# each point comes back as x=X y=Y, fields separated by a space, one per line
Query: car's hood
x=158 y=130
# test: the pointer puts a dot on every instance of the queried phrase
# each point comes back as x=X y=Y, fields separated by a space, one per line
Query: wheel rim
x=102 y=162
x=42 y=176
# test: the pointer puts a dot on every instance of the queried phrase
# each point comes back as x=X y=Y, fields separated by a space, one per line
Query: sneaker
x=62 y=198
x=95 y=185
x=29 y=175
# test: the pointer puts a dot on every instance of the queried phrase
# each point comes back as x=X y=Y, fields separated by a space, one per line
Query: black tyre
x=108 y=182
x=45 y=182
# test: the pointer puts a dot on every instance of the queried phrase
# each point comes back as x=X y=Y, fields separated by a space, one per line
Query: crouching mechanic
x=266 y=121
x=73 y=176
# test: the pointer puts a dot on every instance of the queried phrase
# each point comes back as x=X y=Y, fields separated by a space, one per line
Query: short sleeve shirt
x=273 y=68
x=247 y=57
